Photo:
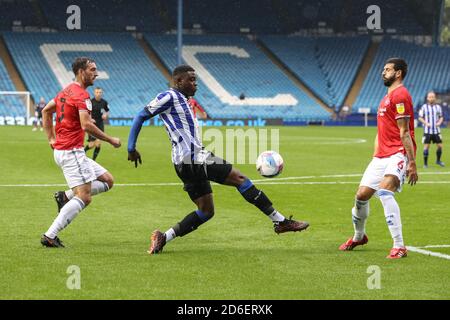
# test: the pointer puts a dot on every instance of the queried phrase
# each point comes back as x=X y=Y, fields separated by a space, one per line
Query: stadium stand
x=428 y=69
x=326 y=65
x=10 y=106
x=127 y=76
x=19 y=12
x=289 y=16
x=231 y=65
x=228 y=16
x=258 y=16
x=397 y=15
x=107 y=15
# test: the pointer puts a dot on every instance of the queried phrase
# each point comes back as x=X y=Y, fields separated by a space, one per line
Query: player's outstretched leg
x=360 y=213
x=259 y=199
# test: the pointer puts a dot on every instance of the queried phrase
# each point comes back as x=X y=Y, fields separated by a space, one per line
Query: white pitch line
x=436 y=246
x=161 y=184
x=428 y=253
x=259 y=181
x=350 y=175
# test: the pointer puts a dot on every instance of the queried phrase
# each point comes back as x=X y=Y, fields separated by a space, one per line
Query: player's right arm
x=47 y=120
x=422 y=119
x=376 y=144
x=91 y=129
x=160 y=104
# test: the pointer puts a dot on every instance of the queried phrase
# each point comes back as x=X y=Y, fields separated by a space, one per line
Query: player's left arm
x=405 y=136
x=440 y=117
x=47 y=121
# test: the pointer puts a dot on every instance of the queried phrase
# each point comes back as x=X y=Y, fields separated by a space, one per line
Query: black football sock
x=96 y=152
x=425 y=157
x=439 y=154
x=86 y=148
x=190 y=223
x=256 y=197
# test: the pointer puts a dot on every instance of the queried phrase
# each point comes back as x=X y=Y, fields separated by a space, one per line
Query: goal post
x=16 y=104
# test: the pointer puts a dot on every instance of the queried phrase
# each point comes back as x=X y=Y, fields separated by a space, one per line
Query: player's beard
x=389 y=81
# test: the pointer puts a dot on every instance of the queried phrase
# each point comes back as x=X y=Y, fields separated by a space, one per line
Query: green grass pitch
x=236 y=255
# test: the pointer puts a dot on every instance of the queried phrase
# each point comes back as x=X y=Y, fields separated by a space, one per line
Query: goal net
x=16 y=108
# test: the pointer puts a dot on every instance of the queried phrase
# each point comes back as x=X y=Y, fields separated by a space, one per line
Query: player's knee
x=110 y=182
x=108 y=179
x=363 y=195
x=85 y=197
x=236 y=178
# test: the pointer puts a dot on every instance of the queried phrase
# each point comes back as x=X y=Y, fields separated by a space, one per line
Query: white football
x=269 y=164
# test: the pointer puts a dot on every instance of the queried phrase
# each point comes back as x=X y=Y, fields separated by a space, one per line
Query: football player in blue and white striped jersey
x=430 y=115
x=194 y=165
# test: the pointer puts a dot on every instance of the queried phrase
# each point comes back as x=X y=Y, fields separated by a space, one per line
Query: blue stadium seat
x=326 y=65
x=132 y=80
x=10 y=106
x=230 y=65
x=428 y=69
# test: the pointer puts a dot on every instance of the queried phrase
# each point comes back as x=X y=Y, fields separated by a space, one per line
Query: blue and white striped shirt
x=174 y=110
x=431 y=113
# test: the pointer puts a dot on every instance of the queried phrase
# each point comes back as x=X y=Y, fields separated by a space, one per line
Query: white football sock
x=360 y=212
x=97 y=187
x=392 y=214
x=275 y=216
x=69 y=194
x=67 y=214
x=170 y=234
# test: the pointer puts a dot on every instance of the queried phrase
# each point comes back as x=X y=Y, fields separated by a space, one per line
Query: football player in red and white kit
x=393 y=161
x=84 y=176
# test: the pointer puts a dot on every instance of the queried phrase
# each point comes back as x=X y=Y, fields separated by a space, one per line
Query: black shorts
x=101 y=126
x=197 y=177
x=435 y=138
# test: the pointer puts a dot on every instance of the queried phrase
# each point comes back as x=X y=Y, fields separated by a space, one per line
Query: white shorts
x=77 y=168
x=379 y=167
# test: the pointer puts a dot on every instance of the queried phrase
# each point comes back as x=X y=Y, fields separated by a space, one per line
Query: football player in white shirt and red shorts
x=393 y=161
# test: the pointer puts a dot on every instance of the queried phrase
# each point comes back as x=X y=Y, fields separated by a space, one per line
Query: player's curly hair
x=81 y=63
x=181 y=69
x=399 y=64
